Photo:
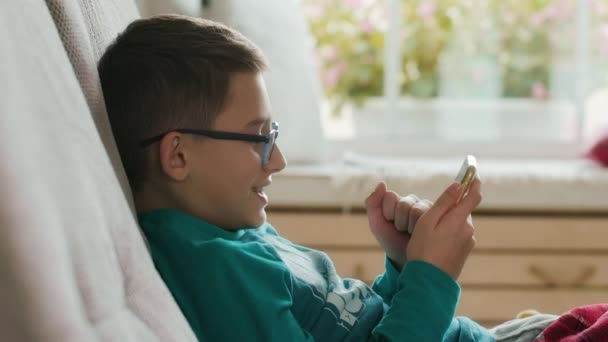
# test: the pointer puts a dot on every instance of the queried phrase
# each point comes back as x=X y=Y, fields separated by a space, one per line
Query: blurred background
x=490 y=77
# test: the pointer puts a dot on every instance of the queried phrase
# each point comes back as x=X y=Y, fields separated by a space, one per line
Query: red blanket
x=581 y=324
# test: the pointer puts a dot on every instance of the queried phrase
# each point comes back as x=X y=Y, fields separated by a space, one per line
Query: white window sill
x=437 y=128
x=508 y=185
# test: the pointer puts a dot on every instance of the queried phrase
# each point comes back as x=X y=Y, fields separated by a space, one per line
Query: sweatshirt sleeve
x=423 y=307
x=231 y=293
x=386 y=284
x=465 y=329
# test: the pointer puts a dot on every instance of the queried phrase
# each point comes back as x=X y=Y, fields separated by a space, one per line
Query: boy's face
x=225 y=179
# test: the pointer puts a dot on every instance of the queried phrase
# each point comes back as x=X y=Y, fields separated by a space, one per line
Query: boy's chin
x=258 y=219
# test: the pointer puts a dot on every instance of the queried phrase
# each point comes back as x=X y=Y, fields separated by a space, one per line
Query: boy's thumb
x=445 y=202
x=374 y=200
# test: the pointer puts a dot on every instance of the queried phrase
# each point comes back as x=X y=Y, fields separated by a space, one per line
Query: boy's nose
x=277 y=160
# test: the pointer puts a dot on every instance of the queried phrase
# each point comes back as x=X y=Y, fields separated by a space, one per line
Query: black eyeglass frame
x=222 y=135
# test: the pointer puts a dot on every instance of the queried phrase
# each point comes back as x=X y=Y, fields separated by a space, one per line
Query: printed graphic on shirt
x=344 y=298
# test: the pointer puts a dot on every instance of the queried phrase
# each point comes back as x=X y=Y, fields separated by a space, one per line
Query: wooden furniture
x=546 y=262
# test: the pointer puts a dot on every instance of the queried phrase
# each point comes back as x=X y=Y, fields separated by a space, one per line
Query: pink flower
x=353 y=4
x=367 y=26
x=332 y=76
x=559 y=10
x=539 y=91
x=538 y=19
x=426 y=10
x=553 y=12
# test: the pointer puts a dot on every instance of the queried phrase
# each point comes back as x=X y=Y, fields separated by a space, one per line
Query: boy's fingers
x=404 y=211
x=389 y=205
x=462 y=211
x=374 y=200
x=445 y=201
x=416 y=212
x=373 y=205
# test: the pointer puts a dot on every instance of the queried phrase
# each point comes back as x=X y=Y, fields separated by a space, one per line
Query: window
x=497 y=78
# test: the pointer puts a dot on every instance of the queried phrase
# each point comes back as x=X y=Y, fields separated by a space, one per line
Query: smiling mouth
x=261 y=195
x=260 y=192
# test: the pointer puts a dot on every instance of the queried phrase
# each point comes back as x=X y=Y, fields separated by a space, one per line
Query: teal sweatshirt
x=254 y=285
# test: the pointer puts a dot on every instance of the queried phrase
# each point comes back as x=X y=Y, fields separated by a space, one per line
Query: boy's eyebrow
x=257 y=122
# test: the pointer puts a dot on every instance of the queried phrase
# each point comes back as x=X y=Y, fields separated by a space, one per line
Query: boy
x=190 y=115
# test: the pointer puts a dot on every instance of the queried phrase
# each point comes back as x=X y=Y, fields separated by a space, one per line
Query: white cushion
x=152 y=7
x=74 y=266
x=86 y=28
x=279 y=29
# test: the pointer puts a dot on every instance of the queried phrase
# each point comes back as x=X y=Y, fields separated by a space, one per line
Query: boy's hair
x=169 y=72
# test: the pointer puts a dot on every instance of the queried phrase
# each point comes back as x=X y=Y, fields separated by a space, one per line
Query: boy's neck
x=148 y=200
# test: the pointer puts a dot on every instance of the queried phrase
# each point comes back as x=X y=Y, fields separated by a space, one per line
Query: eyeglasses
x=268 y=139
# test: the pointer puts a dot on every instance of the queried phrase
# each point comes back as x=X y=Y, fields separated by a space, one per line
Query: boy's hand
x=391 y=217
x=444 y=234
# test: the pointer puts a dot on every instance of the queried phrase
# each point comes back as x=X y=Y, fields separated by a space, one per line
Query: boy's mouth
x=260 y=192
x=261 y=195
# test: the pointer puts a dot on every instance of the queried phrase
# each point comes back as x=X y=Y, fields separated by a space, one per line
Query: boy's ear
x=172 y=156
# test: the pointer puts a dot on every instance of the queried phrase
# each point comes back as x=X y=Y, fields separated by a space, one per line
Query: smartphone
x=466 y=175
